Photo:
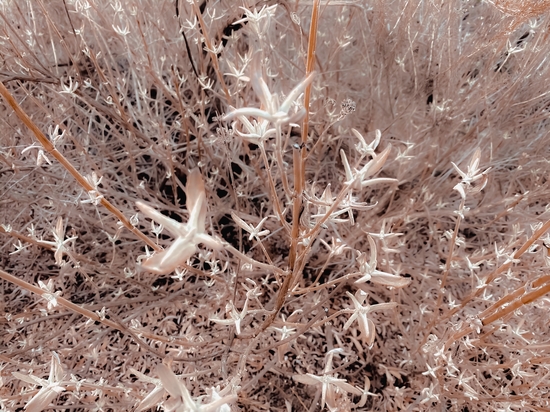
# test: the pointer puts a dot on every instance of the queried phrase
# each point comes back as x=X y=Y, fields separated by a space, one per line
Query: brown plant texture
x=294 y=205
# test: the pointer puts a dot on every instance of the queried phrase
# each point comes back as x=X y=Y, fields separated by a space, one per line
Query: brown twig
x=300 y=167
x=82 y=181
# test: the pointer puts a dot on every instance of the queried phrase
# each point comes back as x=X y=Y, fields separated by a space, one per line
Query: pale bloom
x=188 y=235
x=473 y=175
x=369 y=272
x=361 y=178
x=254 y=231
x=271 y=110
x=235 y=317
x=60 y=245
x=332 y=387
x=181 y=400
x=50 y=387
x=360 y=312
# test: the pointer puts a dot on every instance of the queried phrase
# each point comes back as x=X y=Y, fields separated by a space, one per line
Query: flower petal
x=169 y=259
x=42 y=399
x=373 y=252
x=151 y=400
x=349 y=388
x=248 y=111
x=33 y=380
x=174 y=227
x=307 y=379
x=174 y=386
x=347 y=168
x=387 y=279
x=378 y=162
x=296 y=92
x=259 y=85
x=196 y=200
x=370 y=332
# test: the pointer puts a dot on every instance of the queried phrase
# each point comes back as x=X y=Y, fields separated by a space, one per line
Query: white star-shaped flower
x=369 y=272
x=181 y=400
x=60 y=245
x=188 y=235
x=473 y=181
x=361 y=178
x=331 y=386
x=271 y=110
x=50 y=387
x=255 y=231
x=366 y=326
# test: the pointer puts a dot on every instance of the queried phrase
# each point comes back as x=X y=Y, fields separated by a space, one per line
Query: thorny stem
x=487 y=319
x=492 y=276
x=96 y=318
x=523 y=300
x=50 y=148
x=78 y=309
x=302 y=327
x=133 y=82
x=292 y=277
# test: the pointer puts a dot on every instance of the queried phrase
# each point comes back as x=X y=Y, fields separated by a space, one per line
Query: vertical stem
x=211 y=52
x=452 y=248
x=312 y=44
x=299 y=166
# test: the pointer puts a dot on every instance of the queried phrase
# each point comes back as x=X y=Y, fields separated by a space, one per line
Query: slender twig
x=300 y=169
x=211 y=52
x=186 y=42
x=82 y=181
x=504 y=267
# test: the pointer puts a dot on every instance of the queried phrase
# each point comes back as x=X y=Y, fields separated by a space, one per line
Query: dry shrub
x=204 y=207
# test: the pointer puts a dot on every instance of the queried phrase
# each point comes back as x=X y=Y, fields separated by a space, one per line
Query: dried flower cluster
x=274 y=206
